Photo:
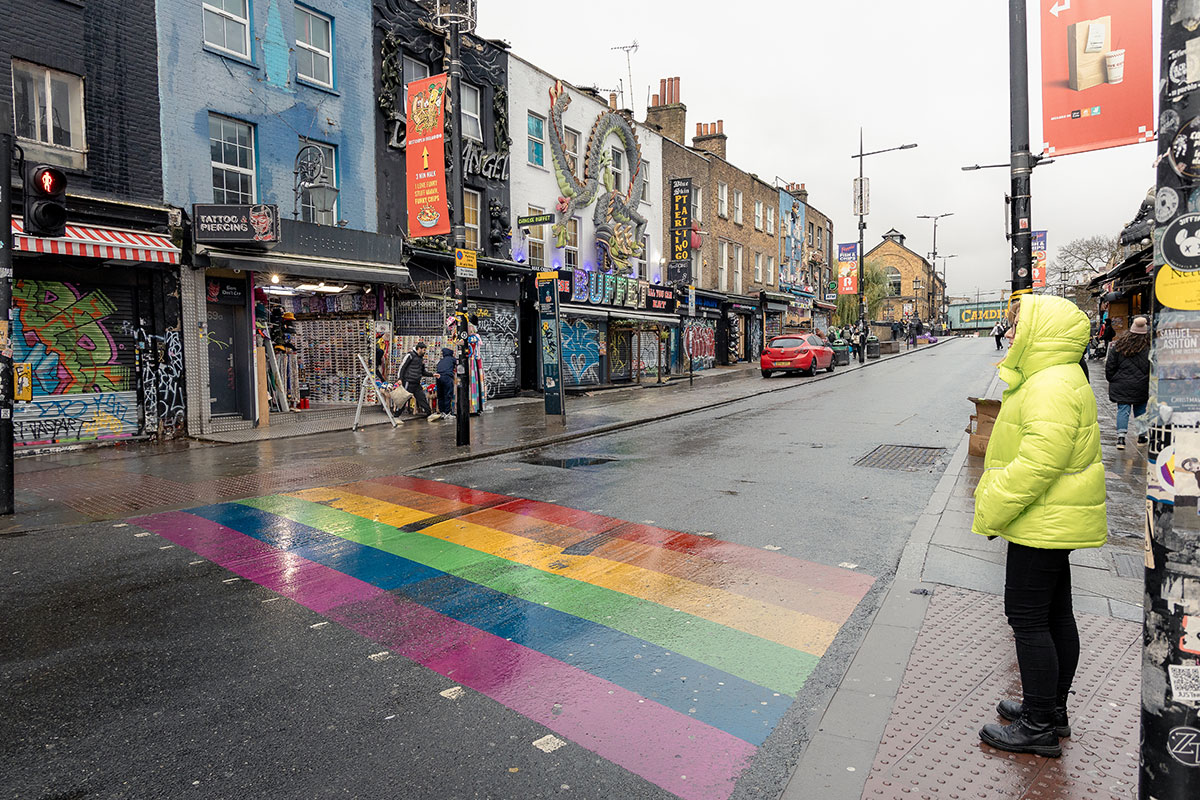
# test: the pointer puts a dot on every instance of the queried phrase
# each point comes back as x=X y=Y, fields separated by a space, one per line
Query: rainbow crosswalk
x=670 y=654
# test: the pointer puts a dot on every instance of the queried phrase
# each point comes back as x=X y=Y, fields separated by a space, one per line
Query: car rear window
x=787 y=342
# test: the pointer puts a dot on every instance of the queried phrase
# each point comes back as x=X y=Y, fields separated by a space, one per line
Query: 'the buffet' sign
x=601 y=289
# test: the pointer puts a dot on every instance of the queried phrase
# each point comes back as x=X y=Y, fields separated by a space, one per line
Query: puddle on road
x=568 y=463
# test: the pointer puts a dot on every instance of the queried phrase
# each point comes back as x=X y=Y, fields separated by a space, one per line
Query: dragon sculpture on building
x=619 y=226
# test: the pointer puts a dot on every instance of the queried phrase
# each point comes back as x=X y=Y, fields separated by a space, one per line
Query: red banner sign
x=1097 y=74
x=425 y=154
x=847 y=269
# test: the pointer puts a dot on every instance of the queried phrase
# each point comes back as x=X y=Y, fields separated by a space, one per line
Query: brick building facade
x=914 y=289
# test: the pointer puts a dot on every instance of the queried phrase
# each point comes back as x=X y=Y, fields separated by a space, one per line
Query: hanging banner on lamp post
x=425 y=157
x=1098 y=75
x=847 y=271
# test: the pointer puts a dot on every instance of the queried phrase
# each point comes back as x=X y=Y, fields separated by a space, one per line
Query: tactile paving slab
x=962 y=665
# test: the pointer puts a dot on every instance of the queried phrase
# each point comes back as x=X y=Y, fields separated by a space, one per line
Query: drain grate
x=568 y=463
x=905 y=458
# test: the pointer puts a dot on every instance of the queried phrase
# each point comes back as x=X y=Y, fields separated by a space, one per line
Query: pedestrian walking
x=1127 y=369
x=412 y=369
x=998 y=332
x=445 y=384
x=1042 y=490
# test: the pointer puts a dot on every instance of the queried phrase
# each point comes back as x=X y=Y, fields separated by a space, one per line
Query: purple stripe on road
x=680 y=754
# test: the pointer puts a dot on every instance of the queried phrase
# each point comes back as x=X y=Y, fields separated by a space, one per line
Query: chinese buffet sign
x=1098 y=74
x=847 y=271
x=425 y=158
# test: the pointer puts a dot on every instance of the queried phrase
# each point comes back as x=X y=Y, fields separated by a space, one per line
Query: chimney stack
x=712 y=138
x=798 y=191
x=612 y=100
x=667 y=114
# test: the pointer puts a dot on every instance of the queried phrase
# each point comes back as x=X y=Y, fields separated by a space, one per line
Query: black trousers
x=418 y=393
x=1037 y=601
x=999 y=336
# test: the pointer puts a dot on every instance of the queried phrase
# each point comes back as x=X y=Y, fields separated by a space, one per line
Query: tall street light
x=455 y=18
x=945 y=305
x=935 y=218
x=862 y=203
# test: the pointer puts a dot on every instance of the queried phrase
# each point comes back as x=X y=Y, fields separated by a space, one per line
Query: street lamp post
x=862 y=202
x=308 y=175
x=935 y=218
x=945 y=305
x=455 y=18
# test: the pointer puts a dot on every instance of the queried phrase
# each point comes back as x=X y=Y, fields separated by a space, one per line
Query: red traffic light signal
x=45 y=201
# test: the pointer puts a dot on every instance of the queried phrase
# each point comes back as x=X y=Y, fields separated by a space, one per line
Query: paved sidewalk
x=939 y=656
x=110 y=483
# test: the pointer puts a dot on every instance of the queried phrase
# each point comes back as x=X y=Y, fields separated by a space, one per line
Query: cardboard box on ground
x=981 y=424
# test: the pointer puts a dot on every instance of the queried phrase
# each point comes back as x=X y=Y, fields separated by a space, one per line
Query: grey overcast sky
x=794 y=80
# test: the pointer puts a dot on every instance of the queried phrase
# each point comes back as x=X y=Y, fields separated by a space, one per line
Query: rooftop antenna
x=629 y=49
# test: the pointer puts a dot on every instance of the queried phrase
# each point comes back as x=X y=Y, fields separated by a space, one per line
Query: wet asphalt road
x=136 y=668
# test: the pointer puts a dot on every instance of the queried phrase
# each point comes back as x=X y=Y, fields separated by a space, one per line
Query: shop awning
x=94 y=242
x=581 y=311
x=310 y=267
x=650 y=316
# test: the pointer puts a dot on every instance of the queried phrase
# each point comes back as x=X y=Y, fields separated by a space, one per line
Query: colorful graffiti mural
x=581 y=350
x=499 y=341
x=700 y=343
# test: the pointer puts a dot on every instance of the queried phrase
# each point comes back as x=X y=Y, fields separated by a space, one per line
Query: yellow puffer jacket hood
x=1043 y=481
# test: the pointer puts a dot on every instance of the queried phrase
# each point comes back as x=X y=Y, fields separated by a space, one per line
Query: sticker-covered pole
x=7 y=493
x=1170 y=736
x=462 y=419
x=1021 y=164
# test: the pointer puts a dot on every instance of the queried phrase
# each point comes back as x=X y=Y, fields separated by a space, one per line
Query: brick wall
x=911 y=267
x=112 y=45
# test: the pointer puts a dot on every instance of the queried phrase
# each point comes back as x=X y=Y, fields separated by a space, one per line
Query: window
x=810 y=234
x=307 y=207
x=737 y=207
x=231 y=145
x=314 y=47
x=472 y=128
x=227 y=26
x=771 y=220
x=815 y=341
x=723 y=200
x=640 y=262
x=472 y=203
x=758 y=262
x=723 y=267
x=536 y=239
x=413 y=71
x=645 y=168
x=893 y=277
x=571 y=146
x=697 y=204
x=618 y=168
x=737 y=269
x=536 y=128
x=571 y=251
x=770 y=270
x=758 y=215
x=48 y=111
x=820 y=237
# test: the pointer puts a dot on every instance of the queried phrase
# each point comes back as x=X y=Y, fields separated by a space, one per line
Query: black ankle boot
x=1032 y=733
x=1011 y=711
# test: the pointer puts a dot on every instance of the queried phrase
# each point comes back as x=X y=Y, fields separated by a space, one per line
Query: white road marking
x=121 y=525
x=140 y=535
x=194 y=563
x=320 y=624
x=848 y=565
x=453 y=693
x=230 y=580
x=272 y=599
x=166 y=547
x=548 y=743
x=771 y=547
x=381 y=656
x=705 y=533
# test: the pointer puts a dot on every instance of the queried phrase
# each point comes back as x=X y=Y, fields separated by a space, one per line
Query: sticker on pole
x=1185 y=683
x=1183 y=744
x=1181 y=243
x=1185 y=150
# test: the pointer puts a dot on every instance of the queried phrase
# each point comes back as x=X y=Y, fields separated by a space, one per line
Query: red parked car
x=796 y=353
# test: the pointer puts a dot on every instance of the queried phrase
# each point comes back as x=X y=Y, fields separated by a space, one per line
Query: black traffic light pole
x=1022 y=161
x=7 y=491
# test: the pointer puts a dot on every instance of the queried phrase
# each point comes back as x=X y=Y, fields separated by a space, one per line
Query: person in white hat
x=1127 y=369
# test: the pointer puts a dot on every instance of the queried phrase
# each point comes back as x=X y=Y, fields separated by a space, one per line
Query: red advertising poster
x=1039 y=259
x=847 y=269
x=425 y=155
x=1097 y=74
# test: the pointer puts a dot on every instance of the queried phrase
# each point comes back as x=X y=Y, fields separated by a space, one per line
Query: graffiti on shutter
x=581 y=350
x=499 y=343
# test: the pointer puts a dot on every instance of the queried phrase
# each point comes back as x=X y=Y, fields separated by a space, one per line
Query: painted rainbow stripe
x=681 y=653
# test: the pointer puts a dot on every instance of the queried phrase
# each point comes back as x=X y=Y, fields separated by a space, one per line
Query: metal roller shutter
x=499 y=345
x=79 y=340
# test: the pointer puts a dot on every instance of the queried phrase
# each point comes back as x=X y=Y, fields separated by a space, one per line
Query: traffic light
x=45 y=201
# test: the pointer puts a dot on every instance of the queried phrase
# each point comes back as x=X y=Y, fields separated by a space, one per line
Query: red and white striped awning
x=92 y=242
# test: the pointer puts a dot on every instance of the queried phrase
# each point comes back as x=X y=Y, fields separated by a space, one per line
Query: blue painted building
x=250 y=90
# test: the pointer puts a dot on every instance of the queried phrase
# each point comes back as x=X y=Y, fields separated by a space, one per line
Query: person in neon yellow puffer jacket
x=1042 y=490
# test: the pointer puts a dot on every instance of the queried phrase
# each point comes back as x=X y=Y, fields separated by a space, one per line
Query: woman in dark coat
x=1127 y=369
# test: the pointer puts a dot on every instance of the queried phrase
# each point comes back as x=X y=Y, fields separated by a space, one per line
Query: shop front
x=743 y=328
x=283 y=329
x=823 y=312
x=775 y=306
x=615 y=330
x=799 y=316
x=698 y=331
x=95 y=335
